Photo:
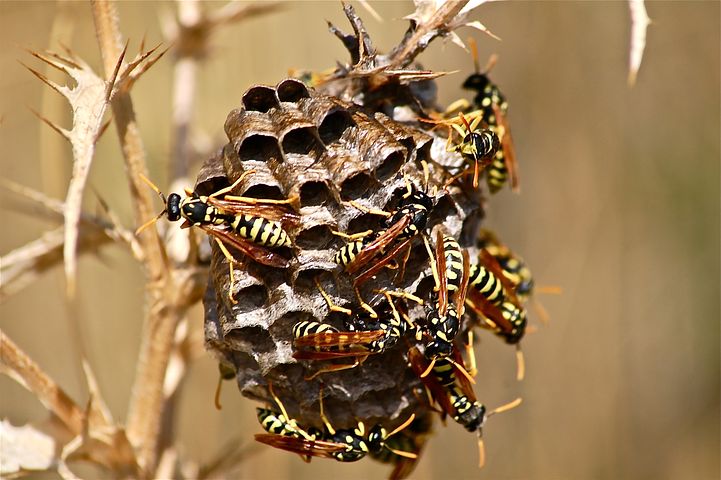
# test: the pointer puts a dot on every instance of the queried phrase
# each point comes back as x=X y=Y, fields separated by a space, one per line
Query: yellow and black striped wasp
x=411 y=440
x=476 y=144
x=450 y=267
x=492 y=297
x=363 y=336
x=253 y=226
x=493 y=108
x=370 y=252
x=449 y=386
x=343 y=445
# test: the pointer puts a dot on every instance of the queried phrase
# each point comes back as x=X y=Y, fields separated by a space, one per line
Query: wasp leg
x=225 y=190
x=399 y=276
x=365 y=209
x=337 y=368
x=470 y=351
x=460 y=104
x=363 y=303
x=401 y=294
x=520 y=363
x=354 y=236
x=231 y=261
x=216 y=399
x=432 y=258
x=332 y=306
x=394 y=311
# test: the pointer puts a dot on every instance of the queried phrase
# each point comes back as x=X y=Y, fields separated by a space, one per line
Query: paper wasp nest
x=323 y=151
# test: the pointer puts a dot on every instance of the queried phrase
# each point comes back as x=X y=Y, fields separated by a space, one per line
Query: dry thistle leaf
x=89 y=99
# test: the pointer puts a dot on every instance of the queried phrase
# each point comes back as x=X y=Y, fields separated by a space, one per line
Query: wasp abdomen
x=486 y=283
x=454 y=263
x=261 y=231
x=348 y=252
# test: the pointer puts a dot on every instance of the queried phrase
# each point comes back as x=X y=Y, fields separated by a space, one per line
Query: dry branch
x=19 y=366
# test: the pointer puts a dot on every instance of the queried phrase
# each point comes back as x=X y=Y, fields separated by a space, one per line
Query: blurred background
x=619 y=206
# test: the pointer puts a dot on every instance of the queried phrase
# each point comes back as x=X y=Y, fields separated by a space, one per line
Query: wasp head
x=173 y=207
x=477 y=82
x=473 y=418
x=376 y=439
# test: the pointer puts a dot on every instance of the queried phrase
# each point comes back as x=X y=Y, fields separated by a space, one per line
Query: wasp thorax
x=195 y=210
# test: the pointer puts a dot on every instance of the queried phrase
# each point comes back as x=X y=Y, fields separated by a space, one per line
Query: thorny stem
x=147 y=401
x=417 y=41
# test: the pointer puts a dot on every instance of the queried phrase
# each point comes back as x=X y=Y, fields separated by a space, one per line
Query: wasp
x=450 y=267
x=450 y=387
x=493 y=296
x=411 y=440
x=493 y=107
x=493 y=299
x=477 y=144
x=369 y=252
x=343 y=445
x=253 y=226
x=363 y=336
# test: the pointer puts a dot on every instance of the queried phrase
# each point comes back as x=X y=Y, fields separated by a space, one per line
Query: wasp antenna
x=474 y=54
x=153 y=186
x=506 y=407
x=150 y=222
x=403 y=426
x=490 y=64
x=520 y=364
x=402 y=453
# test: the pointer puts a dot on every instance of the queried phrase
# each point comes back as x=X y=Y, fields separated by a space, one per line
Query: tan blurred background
x=619 y=206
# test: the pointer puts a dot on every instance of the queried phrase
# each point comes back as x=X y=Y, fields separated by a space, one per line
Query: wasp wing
x=509 y=152
x=301 y=446
x=368 y=252
x=338 y=339
x=462 y=291
x=442 y=277
x=419 y=364
x=490 y=262
x=480 y=305
x=462 y=377
x=382 y=262
x=255 y=252
x=277 y=213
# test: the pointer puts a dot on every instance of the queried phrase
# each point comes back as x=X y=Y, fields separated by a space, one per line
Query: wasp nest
x=323 y=152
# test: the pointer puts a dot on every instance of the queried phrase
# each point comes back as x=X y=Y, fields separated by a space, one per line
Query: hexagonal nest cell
x=323 y=152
